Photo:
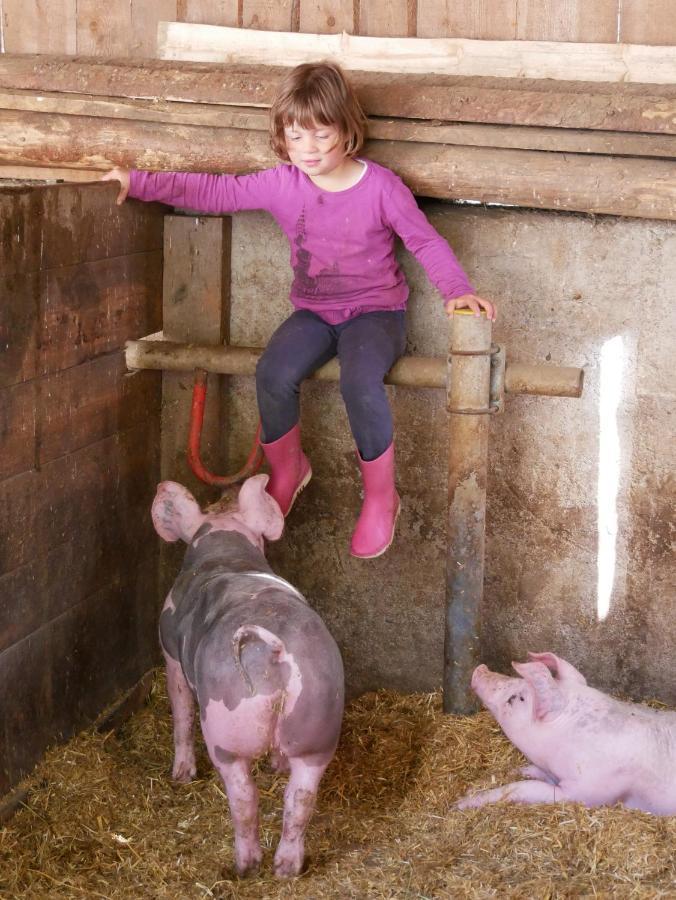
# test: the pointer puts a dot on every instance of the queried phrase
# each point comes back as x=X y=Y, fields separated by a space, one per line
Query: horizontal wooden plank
x=597 y=184
x=566 y=140
x=83 y=226
x=447 y=56
x=614 y=107
x=55 y=580
x=102 y=492
x=61 y=676
x=21 y=233
x=46 y=174
x=92 y=401
x=92 y=308
x=19 y=321
x=645 y=188
x=18 y=409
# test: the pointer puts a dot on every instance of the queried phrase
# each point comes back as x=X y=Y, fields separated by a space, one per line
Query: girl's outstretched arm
x=433 y=252
x=201 y=192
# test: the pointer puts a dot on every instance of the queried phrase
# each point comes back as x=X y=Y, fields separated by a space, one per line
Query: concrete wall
x=566 y=285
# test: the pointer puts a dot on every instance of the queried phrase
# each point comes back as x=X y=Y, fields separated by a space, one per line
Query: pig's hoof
x=184 y=772
x=248 y=864
x=288 y=866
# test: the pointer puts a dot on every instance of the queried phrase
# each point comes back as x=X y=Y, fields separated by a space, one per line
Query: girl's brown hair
x=317 y=94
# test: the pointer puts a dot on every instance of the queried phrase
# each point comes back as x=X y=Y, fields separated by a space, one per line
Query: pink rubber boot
x=289 y=469
x=375 y=527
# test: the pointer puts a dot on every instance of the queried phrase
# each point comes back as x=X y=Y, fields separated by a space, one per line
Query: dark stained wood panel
x=18 y=405
x=19 y=326
x=86 y=225
x=87 y=403
x=78 y=553
x=20 y=231
x=60 y=677
x=92 y=308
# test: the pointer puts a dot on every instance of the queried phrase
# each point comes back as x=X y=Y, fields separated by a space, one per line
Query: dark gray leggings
x=367 y=347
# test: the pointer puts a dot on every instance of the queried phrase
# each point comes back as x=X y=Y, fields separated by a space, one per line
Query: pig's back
x=212 y=603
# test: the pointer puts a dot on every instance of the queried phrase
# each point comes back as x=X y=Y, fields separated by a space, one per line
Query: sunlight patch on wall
x=612 y=365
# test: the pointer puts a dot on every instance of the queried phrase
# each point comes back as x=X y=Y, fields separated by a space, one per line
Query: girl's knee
x=359 y=391
x=276 y=378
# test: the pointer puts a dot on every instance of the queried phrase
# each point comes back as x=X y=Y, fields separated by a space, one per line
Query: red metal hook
x=254 y=460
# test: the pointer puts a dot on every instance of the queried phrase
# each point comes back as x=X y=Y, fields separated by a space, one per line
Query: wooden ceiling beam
x=504 y=101
x=625 y=186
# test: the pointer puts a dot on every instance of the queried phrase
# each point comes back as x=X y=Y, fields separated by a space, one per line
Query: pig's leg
x=517 y=792
x=299 y=804
x=183 y=712
x=243 y=800
x=536 y=772
x=278 y=762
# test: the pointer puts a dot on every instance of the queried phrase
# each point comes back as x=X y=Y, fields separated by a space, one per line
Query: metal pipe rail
x=410 y=371
x=475 y=376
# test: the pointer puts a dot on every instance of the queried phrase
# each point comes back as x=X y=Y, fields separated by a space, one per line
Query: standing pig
x=266 y=673
x=584 y=746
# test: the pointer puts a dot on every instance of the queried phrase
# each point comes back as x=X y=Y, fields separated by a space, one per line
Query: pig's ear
x=260 y=511
x=548 y=699
x=175 y=512
x=561 y=669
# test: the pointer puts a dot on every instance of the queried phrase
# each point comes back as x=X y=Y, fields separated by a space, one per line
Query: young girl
x=341 y=214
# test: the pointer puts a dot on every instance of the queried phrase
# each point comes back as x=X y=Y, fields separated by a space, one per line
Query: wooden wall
x=79 y=461
x=128 y=27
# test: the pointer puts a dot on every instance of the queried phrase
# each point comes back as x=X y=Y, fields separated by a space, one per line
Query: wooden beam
x=506 y=101
x=645 y=188
x=196 y=308
x=449 y=56
x=252 y=118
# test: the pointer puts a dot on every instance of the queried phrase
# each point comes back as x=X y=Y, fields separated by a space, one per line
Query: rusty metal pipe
x=469 y=416
x=411 y=371
x=254 y=460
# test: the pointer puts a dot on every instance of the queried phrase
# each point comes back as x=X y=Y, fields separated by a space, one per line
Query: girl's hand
x=121 y=175
x=473 y=302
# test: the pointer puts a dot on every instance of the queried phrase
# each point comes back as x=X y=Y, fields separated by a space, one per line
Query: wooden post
x=196 y=309
x=468 y=403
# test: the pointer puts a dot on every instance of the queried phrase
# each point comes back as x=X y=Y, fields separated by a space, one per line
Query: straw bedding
x=103 y=819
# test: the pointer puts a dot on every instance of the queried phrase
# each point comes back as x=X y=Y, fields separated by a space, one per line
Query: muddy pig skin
x=584 y=747
x=266 y=673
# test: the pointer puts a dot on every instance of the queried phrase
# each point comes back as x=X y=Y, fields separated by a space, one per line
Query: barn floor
x=103 y=819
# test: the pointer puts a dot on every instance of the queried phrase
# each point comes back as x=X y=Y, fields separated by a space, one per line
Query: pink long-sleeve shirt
x=342 y=243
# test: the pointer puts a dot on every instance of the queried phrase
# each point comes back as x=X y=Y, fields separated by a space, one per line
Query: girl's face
x=315 y=151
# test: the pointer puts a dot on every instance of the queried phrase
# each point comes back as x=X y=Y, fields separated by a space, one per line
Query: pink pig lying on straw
x=584 y=747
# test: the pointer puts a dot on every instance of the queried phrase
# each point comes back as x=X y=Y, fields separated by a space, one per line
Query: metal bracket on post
x=497 y=388
x=496 y=394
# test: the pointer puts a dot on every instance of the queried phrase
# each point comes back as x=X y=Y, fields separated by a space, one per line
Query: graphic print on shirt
x=330 y=283
x=304 y=284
